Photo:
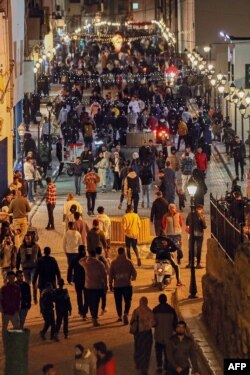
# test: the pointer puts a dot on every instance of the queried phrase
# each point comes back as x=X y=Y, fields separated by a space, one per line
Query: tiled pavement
x=114 y=334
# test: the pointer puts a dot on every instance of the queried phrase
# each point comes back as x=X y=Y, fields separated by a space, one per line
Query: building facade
x=11 y=84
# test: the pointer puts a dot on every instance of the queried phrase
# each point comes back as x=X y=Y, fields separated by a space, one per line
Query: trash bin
x=16 y=344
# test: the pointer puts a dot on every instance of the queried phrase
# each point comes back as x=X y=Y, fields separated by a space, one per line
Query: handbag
x=134 y=326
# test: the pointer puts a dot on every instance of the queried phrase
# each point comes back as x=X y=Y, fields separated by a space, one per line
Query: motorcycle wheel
x=70 y=172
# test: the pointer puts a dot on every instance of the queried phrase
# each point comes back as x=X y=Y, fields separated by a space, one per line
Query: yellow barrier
x=117 y=232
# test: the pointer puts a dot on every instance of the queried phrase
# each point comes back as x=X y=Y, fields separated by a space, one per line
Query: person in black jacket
x=158 y=210
x=47 y=309
x=78 y=170
x=197 y=219
x=239 y=153
x=146 y=177
x=63 y=308
x=163 y=247
x=47 y=270
x=79 y=281
x=25 y=297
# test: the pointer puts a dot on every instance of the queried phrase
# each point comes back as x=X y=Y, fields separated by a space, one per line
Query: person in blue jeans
x=78 y=170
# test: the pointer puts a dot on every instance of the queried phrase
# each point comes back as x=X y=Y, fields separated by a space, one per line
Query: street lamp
x=38 y=120
x=219 y=76
x=242 y=109
x=192 y=188
x=21 y=132
x=49 y=109
x=213 y=84
x=232 y=88
x=241 y=93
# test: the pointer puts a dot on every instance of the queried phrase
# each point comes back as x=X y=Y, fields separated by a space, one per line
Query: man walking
x=187 y=164
x=71 y=241
x=198 y=220
x=172 y=227
x=77 y=168
x=91 y=180
x=51 y=203
x=122 y=272
x=27 y=256
x=8 y=254
x=104 y=225
x=19 y=207
x=132 y=187
x=166 y=320
x=47 y=270
x=239 y=153
x=25 y=297
x=169 y=184
x=10 y=299
x=131 y=224
x=29 y=176
x=79 y=280
x=158 y=210
x=95 y=283
x=181 y=351
x=96 y=238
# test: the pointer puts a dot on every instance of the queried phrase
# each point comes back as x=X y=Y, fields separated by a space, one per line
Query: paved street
x=114 y=334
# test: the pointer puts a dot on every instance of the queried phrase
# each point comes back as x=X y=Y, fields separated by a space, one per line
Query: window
x=135 y=6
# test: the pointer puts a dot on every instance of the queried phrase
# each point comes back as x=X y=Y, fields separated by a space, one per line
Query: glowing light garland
x=166 y=33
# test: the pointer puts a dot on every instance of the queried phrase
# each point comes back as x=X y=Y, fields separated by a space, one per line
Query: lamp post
x=213 y=84
x=49 y=109
x=192 y=187
x=21 y=132
x=38 y=120
x=235 y=100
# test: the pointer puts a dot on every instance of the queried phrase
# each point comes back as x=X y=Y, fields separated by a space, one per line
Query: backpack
x=88 y=131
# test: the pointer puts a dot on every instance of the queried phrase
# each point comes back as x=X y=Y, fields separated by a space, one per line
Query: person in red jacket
x=105 y=360
x=10 y=302
x=201 y=160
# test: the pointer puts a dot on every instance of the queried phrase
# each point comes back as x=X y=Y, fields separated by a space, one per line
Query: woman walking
x=143 y=339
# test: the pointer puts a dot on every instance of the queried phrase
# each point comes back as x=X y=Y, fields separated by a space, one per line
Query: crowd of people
x=181 y=154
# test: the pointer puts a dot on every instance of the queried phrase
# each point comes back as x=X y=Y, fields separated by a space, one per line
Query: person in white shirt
x=71 y=241
x=104 y=225
x=134 y=105
x=68 y=215
x=186 y=115
x=29 y=176
x=63 y=115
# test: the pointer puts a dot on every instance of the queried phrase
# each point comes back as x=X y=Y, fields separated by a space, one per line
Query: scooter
x=163 y=274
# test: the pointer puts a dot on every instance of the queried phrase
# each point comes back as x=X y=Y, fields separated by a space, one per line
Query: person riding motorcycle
x=163 y=247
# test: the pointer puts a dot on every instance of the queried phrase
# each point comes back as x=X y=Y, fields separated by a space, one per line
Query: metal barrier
x=224 y=229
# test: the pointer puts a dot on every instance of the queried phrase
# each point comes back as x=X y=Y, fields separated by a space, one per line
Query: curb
x=203 y=348
x=222 y=159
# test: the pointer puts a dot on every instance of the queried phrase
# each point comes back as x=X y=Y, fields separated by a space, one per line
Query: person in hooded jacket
x=132 y=187
x=96 y=237
x=105 y=360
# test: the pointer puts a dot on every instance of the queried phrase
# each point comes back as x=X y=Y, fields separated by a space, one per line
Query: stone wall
x=226 y=306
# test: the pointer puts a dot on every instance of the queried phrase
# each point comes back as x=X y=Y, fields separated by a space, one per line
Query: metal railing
x=224 y=229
